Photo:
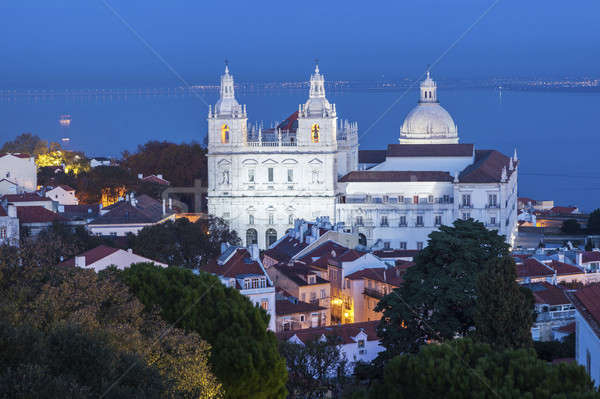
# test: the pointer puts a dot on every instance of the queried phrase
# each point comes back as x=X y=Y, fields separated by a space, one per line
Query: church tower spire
x=428 y=90
x=227 y=104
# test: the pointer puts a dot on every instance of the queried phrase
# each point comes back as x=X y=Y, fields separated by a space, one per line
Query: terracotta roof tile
x=533 y=268
x=15 y=154
x=66 y=188
x=391 y=276
x=291 y=123
x=564 y=268
x=92 y=256
x=37 y=214
x=487 y=167
x=156 y=180
x=396 y=176
x=430 y=150
x=587 y=301
x=548 y=294
x=297 y=274
x=371 y=156
x=396 y=253
x=345 y=332
x=283 y=307
x=25 y=197
x=285 y=249
x=240 y=263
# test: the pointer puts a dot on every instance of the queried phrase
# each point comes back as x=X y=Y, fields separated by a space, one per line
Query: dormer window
x=312 y=279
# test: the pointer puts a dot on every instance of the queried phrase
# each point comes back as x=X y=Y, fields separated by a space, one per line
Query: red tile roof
x=37 y=214
x=430 y=150
x=92 y=256
x=345 y=332
x=298 y=273
x=564 y=268
x=590 y=256
x=396 y=176
x=240 y=263
x=331 y=253
x=25 y=197
x=283 y=307
x=371 y=156
x=391 y=276
x=562 y=210
x=568 y=328
x=3 y=211
x=487 y=167
x=66 y=188
x=285 y=249
x=15 y=154
x=533 y=268
x=291 y=123
x=549 y=294
x=156 y=180
x=587 y=302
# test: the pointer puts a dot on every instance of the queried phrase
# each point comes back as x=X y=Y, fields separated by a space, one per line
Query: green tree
x=244 y=354
x=593 y=224
x=178 y=163
x=182 y=243
x=47 y=297
x=26 y=143
x=315 y=368
x=437 y=300
x=589 y=245
x=504 y=312
x=67 y=361
x=570 y=226
x=463 y=369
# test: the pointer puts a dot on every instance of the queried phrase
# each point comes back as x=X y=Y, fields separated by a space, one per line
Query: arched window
x=251 y=236
x=270 y=236
x=314 y=133
x=291 y=219
x=362 y=239
x=224 y=134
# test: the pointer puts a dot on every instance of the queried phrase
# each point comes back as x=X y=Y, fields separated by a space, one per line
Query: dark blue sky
x=76 y=43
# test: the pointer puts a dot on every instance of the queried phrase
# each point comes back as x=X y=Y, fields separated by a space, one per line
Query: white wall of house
x=21 y=171
x=259 y=296
x=9 y=228
x=587 y=348
x=62 y=196
x=121 y=259
x=119 y=230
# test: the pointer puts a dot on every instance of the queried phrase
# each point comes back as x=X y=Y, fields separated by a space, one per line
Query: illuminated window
x=225 y=134
x=314 y=133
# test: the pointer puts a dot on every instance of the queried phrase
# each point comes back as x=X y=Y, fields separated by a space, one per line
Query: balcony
x=466 y=206
x=492 y=206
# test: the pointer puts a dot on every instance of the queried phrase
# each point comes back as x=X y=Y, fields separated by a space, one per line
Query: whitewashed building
x=103 y=256
x=9 y=226
x=261 y=180
x=18 y=174
x=63 y=194
x=587 y=329
x=310 y=166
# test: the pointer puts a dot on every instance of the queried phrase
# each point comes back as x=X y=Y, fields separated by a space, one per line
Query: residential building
x=587 y=334
x=9 y=226
x=130 y=216
x=63 y=194
x=295 y=315
x=154 y=179
x=241 y=268
x=358 y=341
x=308 y=166
x=83 y=213
x=34 y=219
x=539 y=269
x=303 y=282
x=29 y=199
x=554 y=310
x=589 y=260
x=366 y=287
x=103 y=256
x=99 y=161
x=18 y=173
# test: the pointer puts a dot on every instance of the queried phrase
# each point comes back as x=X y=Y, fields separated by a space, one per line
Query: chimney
x=579 y=258
x=140 y=176
x=170 y=203
x=159 y=176
x=80 y=261
x=164 y=206
x=12 y=211
x=254 y=253
x=130 y=250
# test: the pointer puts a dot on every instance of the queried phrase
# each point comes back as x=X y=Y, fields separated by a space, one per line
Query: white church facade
x=310 y=166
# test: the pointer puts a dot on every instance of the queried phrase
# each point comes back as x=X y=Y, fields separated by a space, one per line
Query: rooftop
x=146 y=210
x=548 y=294
x=346 y=332
x=37 y=214
x=396 y=176
x=430 y=150
x=389 y=276
x=590 y=256
x=285 y=307
x=25 y=197
x=298 y=274
x=587 y=302
x=92 y=256
x=487 y=167
x=237 y=265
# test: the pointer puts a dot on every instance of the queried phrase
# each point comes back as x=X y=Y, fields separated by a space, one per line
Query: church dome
x=428 y=122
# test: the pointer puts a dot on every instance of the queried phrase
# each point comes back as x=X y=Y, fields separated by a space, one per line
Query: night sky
x=76 y=43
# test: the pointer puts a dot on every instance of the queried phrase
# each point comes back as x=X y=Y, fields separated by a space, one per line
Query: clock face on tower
x=225 y=134
x=314 y=133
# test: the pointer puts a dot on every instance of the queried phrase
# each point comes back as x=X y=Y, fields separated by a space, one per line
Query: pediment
x=315 y=161
x=269 y=162
x=224 y=162
x=249 y=162
x=289 y=161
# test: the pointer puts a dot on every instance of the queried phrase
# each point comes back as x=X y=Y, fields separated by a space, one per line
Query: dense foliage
x=178 y=163
x=552 y=350
x=182 y=243
x=464 y=369
x=315 y=368
x=244 y=354
x=45 y=299
x=438 y=298
x=28 y=143
x=570 y=226
x=504 y=312
x=593 y=224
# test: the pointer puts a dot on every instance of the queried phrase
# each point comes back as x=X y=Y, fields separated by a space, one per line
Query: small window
x=386 y=199
x=384 y=221
x=430 y=199
x=224 y=134
x=386 y=245
x=323 y=294
x=402 y=221
x=270 y=174
x=419 y=220
x=403 y=245
x=401 y=199
x=493 y=221
x=420 y=245
x=251 y=175
x=271 y=218
x=303 y=297
x=290 y=175
x=359 y=220
x=302 y=316
x=438 y=220
x=264 y=303
x=291 y=219
x=466 y=215
x=250 y=219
